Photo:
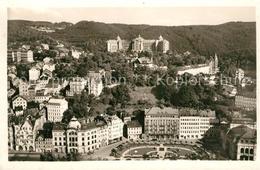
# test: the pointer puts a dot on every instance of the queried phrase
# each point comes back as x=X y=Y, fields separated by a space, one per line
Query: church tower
x=216 y=69
x=119 y=43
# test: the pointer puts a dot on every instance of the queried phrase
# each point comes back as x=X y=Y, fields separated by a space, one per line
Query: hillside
x=224 y=39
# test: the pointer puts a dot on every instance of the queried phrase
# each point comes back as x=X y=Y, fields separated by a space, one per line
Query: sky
x=169 y=16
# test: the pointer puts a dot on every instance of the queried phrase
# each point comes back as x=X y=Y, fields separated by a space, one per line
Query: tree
x=145 y=156
x=32 y=104
x=121 y=94
x=67 y=115
x=23 y=71
x=47 y=157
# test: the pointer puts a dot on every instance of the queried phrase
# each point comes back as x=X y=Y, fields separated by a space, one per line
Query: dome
x=74 y=123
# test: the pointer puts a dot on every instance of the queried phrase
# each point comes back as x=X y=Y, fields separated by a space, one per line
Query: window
x=242 y=150
x=251 y=151
x=246 y=150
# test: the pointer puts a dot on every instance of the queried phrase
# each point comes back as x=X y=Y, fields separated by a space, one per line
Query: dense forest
x=234 y=42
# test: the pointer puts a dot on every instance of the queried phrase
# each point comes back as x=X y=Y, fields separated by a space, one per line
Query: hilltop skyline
x=172 y=16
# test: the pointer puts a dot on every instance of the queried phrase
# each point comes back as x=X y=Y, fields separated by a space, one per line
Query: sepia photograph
x=131 y=83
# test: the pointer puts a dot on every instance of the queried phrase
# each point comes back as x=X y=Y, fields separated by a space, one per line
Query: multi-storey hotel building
x=138 y=44
x=162 y=123
x=173 y=123
x=195 y=123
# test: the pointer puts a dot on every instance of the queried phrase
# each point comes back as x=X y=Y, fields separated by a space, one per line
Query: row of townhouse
x=177 y=123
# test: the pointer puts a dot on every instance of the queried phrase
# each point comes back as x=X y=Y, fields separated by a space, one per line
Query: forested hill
x=226 y=39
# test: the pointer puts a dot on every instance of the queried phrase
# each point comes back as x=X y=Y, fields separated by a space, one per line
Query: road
x=24 y=156
x=103 y=152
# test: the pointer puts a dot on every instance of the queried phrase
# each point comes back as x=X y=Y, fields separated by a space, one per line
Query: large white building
x=247 y=103
x=80 y=136
x=115 y=128
x=27 y=56
x=162 y=123
x=95 y=84
x=138 y=44
x=34 y=74
x=77 y=85
x=20 y=55
x=177 y=123
x=117 y=45
x=195 y=123
x=209 y=68
x=55 y=109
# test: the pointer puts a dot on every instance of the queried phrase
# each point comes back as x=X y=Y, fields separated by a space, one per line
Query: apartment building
x=55 y=109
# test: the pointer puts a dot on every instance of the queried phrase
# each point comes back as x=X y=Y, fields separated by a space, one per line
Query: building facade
x=43 y=144
x=77 y=85
x=34 y=74
x=247 y=103
x=59 y=140
x=24 y=139
x=194 y=124
x=162 y=123
x=134 y=130
x=208 y=68
x=115 y=128
x=23 y=88
x=80 y=136
x=19 y=101
x=26 y=56
x=55 y=109
x=95 y=84
x=138 y=44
